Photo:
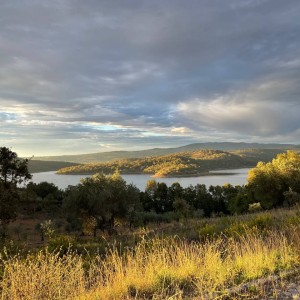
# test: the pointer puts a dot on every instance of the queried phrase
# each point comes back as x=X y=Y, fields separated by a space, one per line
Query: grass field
x=204 y=260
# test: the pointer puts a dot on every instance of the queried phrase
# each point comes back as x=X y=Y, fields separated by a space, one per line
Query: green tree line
x=98 y=201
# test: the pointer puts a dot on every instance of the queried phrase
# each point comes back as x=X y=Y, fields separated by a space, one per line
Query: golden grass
x=155 y=269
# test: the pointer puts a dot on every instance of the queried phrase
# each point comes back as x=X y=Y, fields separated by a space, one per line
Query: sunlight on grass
x=153 y=269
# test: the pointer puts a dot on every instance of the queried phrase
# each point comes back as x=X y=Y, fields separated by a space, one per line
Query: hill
x=114 y=155
x=190 y=163
x=36 y=166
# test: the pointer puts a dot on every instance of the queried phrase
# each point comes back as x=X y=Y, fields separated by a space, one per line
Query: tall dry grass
x=155 y=269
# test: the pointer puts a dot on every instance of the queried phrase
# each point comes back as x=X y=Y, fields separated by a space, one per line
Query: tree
x=268 y=182
x=48 y=195
x=13 y=171
x=238 y=201
x=104 y=198
x=182 y=207
x=203 y=200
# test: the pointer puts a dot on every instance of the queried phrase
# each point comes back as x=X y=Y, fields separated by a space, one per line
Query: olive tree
x=104 y=198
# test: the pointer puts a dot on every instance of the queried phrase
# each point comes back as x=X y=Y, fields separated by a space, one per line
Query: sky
x=93 y=76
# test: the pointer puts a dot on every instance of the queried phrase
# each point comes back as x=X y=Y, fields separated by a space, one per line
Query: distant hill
x=114 y=155
x=36 y=166
x=190 y=163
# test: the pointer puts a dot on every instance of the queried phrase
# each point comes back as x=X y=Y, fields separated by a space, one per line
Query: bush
x=61 y=244
x=262 y=221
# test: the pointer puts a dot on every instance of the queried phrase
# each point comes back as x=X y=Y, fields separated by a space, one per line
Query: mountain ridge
x=122 y=154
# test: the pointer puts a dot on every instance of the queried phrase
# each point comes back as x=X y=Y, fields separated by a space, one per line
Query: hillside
x=114 y=155
x=36 y=166
x=189 y=163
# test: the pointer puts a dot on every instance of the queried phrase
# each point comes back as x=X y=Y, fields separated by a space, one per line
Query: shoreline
x=206 y=173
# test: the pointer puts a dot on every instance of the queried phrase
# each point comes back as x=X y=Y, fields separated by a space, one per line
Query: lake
x=234 y=177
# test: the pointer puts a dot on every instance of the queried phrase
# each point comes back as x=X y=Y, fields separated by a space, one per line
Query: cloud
x=264 y=110
x=223 y=70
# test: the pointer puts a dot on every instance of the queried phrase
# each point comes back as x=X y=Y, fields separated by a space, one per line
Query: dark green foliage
x=182 y=208
x=36 y=166
x=217 y=200
x=201 y=200
x=8 y=204
x=103 y=198
x=239 y=203
x=44 y=196
x=43 y=189
x=13 y=171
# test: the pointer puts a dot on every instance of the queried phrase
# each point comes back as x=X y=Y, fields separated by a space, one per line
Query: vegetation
x=160 y=268
x=276 y=181
x=179 y=164
x=101 y=199
x=13 y=171
x=117 y=155
x=104 y=239
x=36 y=166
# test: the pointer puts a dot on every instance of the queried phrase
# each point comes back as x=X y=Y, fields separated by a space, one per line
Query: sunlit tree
x=268 y=182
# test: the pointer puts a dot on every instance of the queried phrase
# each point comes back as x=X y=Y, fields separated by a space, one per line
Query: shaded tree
x=203 y=200
x=13 y=171
x=162 y=201
x=104 y=198
x=48 y=195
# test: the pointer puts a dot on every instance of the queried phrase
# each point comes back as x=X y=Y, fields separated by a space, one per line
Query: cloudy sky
x=91 y=76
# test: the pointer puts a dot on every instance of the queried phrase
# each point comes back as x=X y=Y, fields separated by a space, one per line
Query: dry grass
x=155 y=269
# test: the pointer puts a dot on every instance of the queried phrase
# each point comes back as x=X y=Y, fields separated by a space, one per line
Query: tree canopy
x=13 y=171
x=104 y=198
x=269 y=182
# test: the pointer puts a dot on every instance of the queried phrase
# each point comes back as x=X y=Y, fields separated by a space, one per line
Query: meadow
x=215 y=258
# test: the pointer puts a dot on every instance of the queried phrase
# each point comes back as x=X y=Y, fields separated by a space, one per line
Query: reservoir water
x=234 y=177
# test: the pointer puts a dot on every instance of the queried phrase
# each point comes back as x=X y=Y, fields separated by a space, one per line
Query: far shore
x=206 y=173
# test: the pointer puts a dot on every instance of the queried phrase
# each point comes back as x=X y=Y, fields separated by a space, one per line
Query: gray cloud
x=158 y=72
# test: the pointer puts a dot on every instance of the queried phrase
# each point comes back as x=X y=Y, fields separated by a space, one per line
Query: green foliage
x=182 y=208
x=8 y=204
x=274 y=182
x=103 y=198
x=43 y=189
x=13 y=171
x=62 y=244
x=291 y=197
x=184 y=163
x=238 y=202
x=262 y=221
x=35 y=166
x=207 y=231
x=47 y=227
x=43 y=196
